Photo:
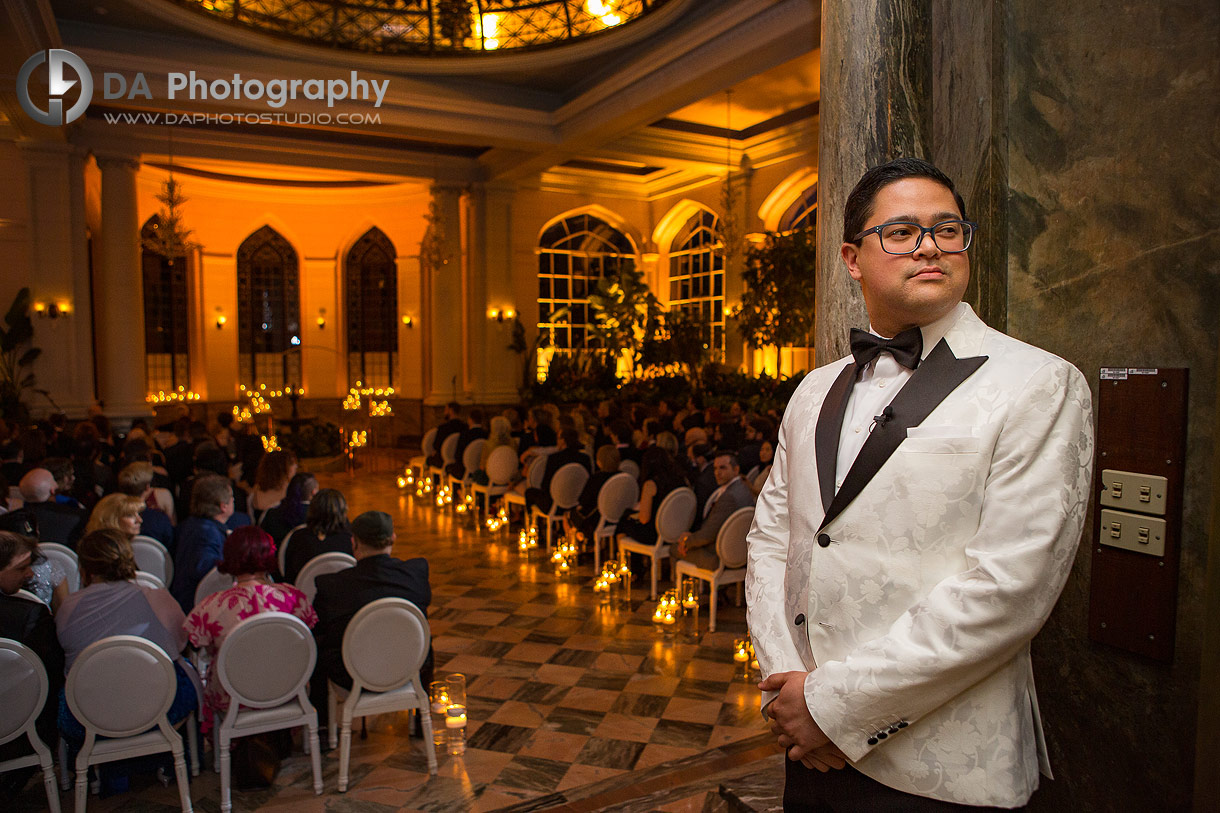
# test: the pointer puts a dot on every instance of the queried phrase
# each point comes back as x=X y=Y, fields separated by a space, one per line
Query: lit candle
x=669 y=618
x=455 y=721
x=740 y=656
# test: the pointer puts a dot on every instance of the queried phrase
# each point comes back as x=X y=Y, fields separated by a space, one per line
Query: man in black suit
x=569 y=451
x=699 y=546
x=29 y=623
x=451 y=426
x=56 y=522
x=341 y=595
x=474 y=431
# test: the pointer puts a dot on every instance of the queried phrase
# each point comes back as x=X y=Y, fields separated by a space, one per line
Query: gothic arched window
x=696 y=277
x=803 y=213
x=268 y=311
x=166 y=338
x=371 y=287
x=573 y=254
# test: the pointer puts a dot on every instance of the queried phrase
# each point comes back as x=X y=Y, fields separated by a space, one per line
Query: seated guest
x=341 y=595
x=702 y=476
x=249 y=555
x=30 y=623
x=451 y=425
x=501 y=435
x=539 y=433
x=755 y=433
x=209 y=459
x=137 y=450
x=120 y=512
x=111 y=603
x=199 y=539
x=56 y=522
x=472 y=431
x=93 y=478
x=275 y=472
x=135 y=480
x=326 y=530
x=621 y=436
x=585 y=516
x=698 y=546
x=65 y=477
x=569 y=451
x=659 y=475
x=301 y=490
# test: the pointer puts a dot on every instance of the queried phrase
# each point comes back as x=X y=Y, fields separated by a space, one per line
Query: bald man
x=57 y=522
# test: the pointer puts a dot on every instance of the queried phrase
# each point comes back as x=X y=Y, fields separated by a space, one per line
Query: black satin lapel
x=938 y=375
x=830 y=424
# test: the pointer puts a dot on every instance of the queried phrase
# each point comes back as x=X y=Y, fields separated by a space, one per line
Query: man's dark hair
x=619 y=429
x=210 y=457
x=571 y=438
x=730 y=454
x=475 y=416
x=859 y=207
x=224 y=420
x=454 y=407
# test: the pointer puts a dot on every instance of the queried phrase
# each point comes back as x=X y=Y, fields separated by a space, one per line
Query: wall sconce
x=500 y=314
x=220 y=318
x=53 y=310
x=408 y=321
x=321 y=318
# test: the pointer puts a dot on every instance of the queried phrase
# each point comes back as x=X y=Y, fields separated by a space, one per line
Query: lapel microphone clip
x=880 y=420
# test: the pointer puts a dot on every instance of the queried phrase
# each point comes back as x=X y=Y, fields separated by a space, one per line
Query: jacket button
x=824 y=540
x=800 y=619
x=881 y=735
x=902 y=723
x=872 y=740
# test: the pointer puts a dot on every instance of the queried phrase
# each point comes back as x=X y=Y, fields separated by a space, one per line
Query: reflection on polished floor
x=572 y=705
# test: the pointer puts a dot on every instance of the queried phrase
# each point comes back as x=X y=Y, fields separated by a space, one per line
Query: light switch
x=1135 y=532
x=1132 y=491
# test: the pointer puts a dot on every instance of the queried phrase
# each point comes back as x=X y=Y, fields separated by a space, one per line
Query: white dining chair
x=331 y=562
x=731 y=550
x=566 y=485
x=264 y=665
x=22 y=696
x=674 y=517
x=384 y=646
x=153 y=557
x=617 y=495
x=120 y=689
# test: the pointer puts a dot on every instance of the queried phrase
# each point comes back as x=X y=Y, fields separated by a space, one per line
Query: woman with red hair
x=249 y=553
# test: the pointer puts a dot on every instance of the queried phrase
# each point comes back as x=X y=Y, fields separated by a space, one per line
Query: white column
x=443 y=322
x=119 y=294
x=58 y=273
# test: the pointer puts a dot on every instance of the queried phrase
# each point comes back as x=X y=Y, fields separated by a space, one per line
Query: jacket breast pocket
x=941 y=440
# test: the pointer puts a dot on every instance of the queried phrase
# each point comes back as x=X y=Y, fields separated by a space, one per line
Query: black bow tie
x=906 y=347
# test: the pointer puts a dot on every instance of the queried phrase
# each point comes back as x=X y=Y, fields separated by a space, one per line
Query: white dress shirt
x=875 y=388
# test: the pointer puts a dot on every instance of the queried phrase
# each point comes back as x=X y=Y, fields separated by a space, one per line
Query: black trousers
x=849 y=791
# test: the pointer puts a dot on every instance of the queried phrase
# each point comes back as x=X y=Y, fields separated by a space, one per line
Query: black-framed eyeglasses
x=950 y=236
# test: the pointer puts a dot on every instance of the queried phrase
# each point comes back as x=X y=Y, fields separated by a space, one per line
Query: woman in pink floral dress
x=249 y=553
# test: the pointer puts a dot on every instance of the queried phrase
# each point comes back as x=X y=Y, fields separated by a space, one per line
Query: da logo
x=58 y=63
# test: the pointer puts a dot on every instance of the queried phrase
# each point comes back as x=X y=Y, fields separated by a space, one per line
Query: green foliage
x=313 y=440
x=678 y=340
x=581 y=375
x=16 y=356
x=777 y=305
x=626 y=314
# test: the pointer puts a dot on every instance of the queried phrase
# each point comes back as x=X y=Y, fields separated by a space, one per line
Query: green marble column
x=875 y=105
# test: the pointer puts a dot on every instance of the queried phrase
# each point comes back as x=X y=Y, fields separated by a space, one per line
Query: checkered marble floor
x=568 y=699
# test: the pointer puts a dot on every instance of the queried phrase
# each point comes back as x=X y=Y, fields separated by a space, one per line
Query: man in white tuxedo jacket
x=923 y=511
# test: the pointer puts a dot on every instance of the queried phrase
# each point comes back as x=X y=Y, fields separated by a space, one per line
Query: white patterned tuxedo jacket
x=912 y=594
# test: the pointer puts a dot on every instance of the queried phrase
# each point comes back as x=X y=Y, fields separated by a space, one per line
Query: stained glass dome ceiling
x=448 y=27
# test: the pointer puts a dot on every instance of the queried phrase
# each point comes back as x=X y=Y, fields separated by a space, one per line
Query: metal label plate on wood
x=1141 y=432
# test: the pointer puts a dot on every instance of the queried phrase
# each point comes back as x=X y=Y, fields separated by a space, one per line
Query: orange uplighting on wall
x=321 y=320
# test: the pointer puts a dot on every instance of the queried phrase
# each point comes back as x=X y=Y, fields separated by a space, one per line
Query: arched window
x=573 y=254
x=803 y=213
x=372 y=304
x=696 y=277
x=268 y=311
x=166 y=339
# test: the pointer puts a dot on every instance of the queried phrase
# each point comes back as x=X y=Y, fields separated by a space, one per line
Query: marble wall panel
x=1114 y=260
